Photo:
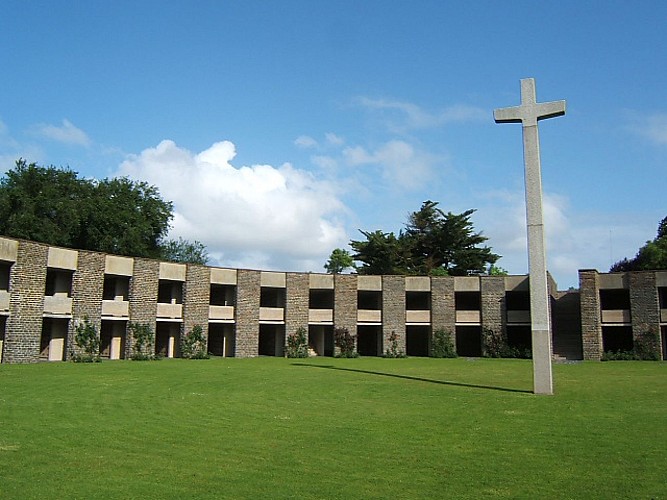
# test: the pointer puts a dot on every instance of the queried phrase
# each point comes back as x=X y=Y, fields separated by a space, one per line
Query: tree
x=653 y=255
x=184 y=251
x=53 y=205
x=339 y=260
x=433 y=243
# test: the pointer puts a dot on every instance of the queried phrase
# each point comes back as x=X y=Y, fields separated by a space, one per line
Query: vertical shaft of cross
x=528 y=114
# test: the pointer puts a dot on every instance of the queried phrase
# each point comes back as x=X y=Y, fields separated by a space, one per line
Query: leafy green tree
x=381 y=253
x=53 y=205
x=433 y=243
x=339 y=260
x=184 y=251
x=653 y=255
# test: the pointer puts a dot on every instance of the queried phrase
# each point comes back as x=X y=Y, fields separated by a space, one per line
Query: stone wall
x=196 y=298
x=345 y=302
x=443 y=311
x=26 y=303
x=591 y=323
x=143 y=296
x=644 y=304
x=393 y=311
x=87 y=288
x=493 y=312
x=297 y=302
x=247 y=313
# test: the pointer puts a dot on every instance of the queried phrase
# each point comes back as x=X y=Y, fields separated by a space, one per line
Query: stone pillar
x=393 y=311
x=443 y=305
x=196 y=298
x=26 y=303
x=87 y=287
x=591 y=322
x=345 y=302
x=248 y=290
x=492 y=289
x=298 y=297
x=644 y=305
x=143 y=297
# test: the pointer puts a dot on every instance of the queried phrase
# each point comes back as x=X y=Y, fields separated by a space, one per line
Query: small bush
x=297 y=344
x=143 y=342
x=346 y=343
x=619 y=356
x=87 y=340
x=495 y=345
x=647 y=345
x=193 y=344
x=442 y=345
x=393 y=351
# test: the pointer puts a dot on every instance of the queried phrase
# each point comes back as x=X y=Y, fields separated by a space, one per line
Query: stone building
x=46 y=291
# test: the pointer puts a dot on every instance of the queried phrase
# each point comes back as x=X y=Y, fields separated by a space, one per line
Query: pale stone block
x=8 y=249
x=221 y=276
x=661 y=278
x=417 y=284
x=613 y=281
x=615 y=315
x=466 y=284
x=273 y=279
x=221 y=313
x=369 y=283
x=62 y=258
x=470 y=317
x=418 y=317
x=322 y=281
x=119 y=266
x=272 y=314
x=369 y=316
x=516 y=283
x=172 y=271
x=320 y=316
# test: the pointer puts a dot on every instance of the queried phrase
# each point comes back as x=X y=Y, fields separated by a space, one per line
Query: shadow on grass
x=420 y=379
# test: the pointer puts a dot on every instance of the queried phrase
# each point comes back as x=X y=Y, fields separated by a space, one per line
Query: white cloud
x=334 y=139
x=411 y=116
x=656 y=128
x=401 y=164
x=67 y=133
x=251 y=216
x=305 y=142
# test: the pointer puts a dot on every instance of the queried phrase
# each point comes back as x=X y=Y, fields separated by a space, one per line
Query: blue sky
x=281 y=128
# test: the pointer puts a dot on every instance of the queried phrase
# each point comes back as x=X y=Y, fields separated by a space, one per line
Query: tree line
x=118 y=216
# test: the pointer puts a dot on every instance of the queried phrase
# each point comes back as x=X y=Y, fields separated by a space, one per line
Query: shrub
x=495 y=345
x=619 y=355
x=346 y=343
x=442 y=345
x=393 y=350
x=647 y=345
x=143 y=342
x=193 y=344
x=87 y=340
x=297 y=344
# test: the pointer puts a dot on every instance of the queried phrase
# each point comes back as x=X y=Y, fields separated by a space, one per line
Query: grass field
x=332 y=428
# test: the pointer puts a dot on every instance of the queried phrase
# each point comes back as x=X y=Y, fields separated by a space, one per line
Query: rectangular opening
x=519 y=338
x=272 y=297
x=112 y=339
x=617 y=338
x=469 y=341
x=517 y=300
x=468 y=301
x=222 y=295
x=271 y=340
x=321 y=339
x=170 y=292
x=116 y=287
x=321 y=299
x=221 y=339
x=615 y=299
x=369 y=300
x=417 y=340
x=58 y=282
x=168 y=339
x=53 y=339
x=5 y=271
x=418 y=301
x=369 y=340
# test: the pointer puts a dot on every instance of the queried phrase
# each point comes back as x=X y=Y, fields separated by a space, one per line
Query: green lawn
x=332 y=428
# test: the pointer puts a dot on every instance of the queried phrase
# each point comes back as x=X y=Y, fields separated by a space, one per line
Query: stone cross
x=528 y=114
